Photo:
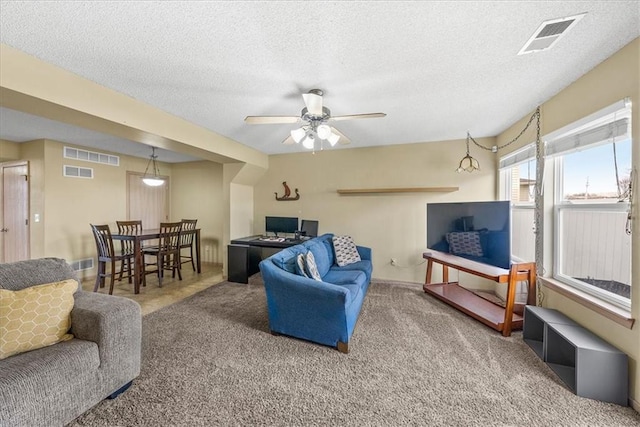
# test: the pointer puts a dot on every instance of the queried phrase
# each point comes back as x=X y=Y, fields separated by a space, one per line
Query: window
x=518 y=183
x=590 y=163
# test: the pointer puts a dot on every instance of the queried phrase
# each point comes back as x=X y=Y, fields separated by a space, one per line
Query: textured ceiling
x=438 y=69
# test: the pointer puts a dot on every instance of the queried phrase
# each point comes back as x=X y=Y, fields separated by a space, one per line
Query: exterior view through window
x=590 y=165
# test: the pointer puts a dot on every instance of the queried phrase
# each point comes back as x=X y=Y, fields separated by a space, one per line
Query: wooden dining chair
x=127 y=246
x=167 y=253
x=106 y=255
x=186 y=241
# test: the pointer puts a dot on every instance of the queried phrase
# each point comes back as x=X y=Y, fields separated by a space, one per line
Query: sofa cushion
x=323 y=254
x=345 y=250
x=312 y=268
x=345 y=277
x=364 y=265
x=286 y=259
x=35 y=317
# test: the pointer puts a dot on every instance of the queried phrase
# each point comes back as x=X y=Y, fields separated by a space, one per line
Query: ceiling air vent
x=548 y=33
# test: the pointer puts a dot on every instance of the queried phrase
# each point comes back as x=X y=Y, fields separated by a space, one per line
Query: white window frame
x=554 y=163
x=558 y=205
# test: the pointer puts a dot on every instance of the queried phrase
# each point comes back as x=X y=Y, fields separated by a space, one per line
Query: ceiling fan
x=315 y=117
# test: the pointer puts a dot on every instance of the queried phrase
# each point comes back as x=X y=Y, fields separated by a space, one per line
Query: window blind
x=522 y=155
x=606 y=133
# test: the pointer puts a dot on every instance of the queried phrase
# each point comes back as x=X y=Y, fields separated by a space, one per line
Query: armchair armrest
x=115 y=324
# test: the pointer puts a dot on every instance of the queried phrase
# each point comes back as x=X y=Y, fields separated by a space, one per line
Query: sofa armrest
x=115 y=324
x=365 y=252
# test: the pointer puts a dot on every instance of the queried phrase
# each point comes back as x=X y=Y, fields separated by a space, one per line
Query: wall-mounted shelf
x=397 y=190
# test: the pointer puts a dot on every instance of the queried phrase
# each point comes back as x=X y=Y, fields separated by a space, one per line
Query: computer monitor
x=280 y=224
x=309 y=228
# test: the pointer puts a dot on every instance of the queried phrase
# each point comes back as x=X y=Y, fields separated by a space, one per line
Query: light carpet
x=210 y=360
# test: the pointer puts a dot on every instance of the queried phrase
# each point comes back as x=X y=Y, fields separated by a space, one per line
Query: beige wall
x=393 y=225
x=614 y=79
x=196 y=192
x=8 y=150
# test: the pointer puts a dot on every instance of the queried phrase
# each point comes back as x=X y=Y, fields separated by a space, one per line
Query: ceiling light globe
x=324 y=131
x=153 y=182
x=308 y=142
x=298 y=135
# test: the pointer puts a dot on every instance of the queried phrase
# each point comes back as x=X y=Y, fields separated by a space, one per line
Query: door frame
x=9 y=164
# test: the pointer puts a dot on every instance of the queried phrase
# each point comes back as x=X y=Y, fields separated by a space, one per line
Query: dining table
x=150 y=234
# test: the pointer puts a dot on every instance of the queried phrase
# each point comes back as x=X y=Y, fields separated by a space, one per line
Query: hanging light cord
x=628 y=226
x=152 y=160
x=535 y=115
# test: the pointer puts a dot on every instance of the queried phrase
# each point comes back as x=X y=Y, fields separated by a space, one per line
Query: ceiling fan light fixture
x=333 y=139
x=308 y=142
x=324 y=131
x=298 y=134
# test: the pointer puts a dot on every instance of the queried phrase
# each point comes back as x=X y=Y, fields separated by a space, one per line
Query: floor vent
x=548 y=34
x=91 y=156
x=82 y=264
x=77 y=172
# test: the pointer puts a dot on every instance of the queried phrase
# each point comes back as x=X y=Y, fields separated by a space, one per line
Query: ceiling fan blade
x=313 y=102
x=343 y=139
x=267 y=120
x=289 y=141
x=358 y=116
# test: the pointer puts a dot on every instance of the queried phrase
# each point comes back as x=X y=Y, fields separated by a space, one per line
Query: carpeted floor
x=209 y=360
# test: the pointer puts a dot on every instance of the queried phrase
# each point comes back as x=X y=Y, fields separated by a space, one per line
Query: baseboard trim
x=634 y=404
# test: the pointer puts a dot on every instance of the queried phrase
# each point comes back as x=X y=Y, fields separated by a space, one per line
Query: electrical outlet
x=393 y=261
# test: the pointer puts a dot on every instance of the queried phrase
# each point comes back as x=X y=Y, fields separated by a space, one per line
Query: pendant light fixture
x=152 y=180
x=468 y=163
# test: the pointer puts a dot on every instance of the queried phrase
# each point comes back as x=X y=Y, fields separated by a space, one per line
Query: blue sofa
x=323 y=312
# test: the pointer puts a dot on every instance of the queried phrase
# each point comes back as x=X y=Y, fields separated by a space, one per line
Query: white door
x=149 y=204
x=14 y=212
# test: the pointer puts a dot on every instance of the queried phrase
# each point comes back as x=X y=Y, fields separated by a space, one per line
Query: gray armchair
x=53 y=385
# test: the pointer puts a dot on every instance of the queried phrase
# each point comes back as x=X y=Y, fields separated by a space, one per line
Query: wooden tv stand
x=502 y=319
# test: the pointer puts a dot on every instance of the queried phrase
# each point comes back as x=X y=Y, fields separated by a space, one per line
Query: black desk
x=244 y=255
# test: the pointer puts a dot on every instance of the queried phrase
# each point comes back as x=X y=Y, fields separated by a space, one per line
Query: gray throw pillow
x=312 y=268
x=346 y=250
x=300 y=266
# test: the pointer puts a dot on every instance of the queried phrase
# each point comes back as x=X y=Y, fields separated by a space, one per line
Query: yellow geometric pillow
x=35 y=317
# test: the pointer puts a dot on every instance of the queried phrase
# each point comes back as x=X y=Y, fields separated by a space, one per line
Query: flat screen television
x=280 y=224
x=480 y=231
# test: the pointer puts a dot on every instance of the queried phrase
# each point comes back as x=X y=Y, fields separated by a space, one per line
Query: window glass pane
x=595 y=249
x=598 y=174
x=523 y=238
x=524 y=184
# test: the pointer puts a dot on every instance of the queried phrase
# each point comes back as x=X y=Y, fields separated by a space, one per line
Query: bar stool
x=186 y=241
x=106 y=254
x=167 y=252
x=126 y=246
